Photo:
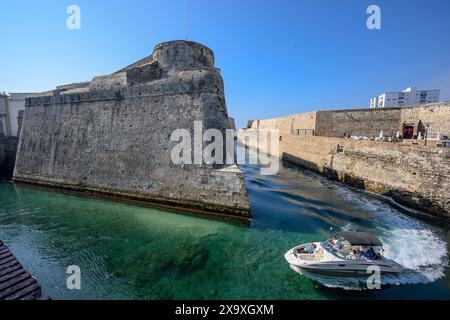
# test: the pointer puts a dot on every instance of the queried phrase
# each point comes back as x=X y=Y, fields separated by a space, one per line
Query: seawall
x=111 y=136
x=414 y=175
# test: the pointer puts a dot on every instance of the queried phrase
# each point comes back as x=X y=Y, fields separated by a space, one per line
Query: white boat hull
x=331 y=266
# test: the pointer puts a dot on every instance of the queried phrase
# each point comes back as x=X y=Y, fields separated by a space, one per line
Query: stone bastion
x=112 y=136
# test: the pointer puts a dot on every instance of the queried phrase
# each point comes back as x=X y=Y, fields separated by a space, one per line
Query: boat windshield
x=337 y=247
x=344 y=250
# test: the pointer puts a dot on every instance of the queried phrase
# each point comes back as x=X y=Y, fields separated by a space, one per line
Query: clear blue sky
x=277 y=57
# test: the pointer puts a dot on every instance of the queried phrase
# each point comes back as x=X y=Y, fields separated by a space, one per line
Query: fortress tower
x=111 y=136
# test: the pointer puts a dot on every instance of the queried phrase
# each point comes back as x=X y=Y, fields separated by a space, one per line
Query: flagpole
x=186 y=19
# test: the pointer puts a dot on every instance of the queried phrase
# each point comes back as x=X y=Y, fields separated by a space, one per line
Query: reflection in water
x=129 y=252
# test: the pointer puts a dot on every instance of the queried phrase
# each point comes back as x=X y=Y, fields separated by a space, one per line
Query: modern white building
x=409 y=96
x=10 y=107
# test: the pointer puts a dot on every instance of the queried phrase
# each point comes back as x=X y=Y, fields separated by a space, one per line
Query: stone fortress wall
x=363 y=122
x=415 y=175
x=111 y=136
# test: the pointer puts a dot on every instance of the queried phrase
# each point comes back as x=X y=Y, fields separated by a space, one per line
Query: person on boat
x=333 y=240
x=351 y=255
x=336 y=245
x=370 y=254
x=311 y=248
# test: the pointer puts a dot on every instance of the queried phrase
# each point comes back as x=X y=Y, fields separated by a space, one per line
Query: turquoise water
x=131 y=252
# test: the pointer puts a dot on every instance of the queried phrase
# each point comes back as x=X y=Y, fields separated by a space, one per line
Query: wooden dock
x=15 y=282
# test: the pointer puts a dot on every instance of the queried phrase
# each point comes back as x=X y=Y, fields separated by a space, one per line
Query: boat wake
x=414 y=244
x=419 y=250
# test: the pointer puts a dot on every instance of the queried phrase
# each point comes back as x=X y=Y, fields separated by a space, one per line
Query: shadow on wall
x=8 y=150
x=325 y=171
x=402 y=197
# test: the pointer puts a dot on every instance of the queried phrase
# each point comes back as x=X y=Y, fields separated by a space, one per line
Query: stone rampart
x=111 y=136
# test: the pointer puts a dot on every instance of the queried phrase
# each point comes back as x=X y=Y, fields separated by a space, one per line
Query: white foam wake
x=420 y=250
x=412 y=243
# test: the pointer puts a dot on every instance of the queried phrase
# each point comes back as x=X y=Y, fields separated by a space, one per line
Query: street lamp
x=427 y=126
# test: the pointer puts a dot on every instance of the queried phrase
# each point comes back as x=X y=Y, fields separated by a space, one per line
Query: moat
x=131 y=252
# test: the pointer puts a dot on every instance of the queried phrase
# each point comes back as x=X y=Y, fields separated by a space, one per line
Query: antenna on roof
x=186 y=19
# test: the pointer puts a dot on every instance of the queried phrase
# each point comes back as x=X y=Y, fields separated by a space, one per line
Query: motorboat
x=346 y=254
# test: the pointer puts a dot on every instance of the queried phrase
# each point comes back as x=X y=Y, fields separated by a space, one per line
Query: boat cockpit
x=343 y=249
x=344 y=245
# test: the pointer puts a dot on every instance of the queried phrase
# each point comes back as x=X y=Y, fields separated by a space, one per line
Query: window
x=1 y=129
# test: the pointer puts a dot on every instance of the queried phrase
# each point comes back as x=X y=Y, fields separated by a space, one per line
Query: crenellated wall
x=111 y=136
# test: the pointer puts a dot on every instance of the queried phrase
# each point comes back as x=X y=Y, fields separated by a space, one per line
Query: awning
x=360 y=239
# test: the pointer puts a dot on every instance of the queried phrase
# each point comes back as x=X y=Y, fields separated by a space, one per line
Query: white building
x=374 y=103
x=10 y=105
x=409 y=96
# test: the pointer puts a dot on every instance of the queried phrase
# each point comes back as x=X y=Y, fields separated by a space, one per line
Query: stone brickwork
x=19 y=121
x=416 y=176
x=363 y=122
x=288 y=124
x=369 y=122
x=111 y=136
